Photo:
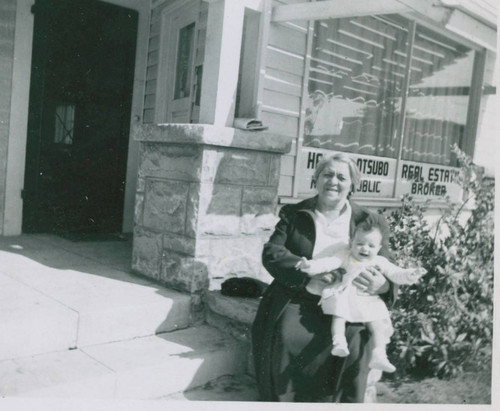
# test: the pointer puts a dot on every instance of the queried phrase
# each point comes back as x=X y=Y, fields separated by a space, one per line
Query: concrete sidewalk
x=75 y=323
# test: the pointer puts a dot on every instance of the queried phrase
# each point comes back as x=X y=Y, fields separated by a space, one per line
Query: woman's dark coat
x=293 y=238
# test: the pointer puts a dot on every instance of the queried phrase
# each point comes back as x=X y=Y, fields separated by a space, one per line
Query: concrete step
x=233 y=315
x=143 y=368
x=57 y=291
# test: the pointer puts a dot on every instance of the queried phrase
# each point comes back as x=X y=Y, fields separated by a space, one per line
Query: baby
x=345 y=302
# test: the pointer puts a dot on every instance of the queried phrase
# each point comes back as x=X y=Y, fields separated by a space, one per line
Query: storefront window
x=356 y=80
x=363 y=73
x=438 y=96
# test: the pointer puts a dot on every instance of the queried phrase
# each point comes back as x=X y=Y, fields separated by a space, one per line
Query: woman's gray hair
x=354 y=172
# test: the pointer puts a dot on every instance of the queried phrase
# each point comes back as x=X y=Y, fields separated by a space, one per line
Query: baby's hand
x=420 y=272
x=303 y=263
x=305 y=266
x=417 y=273
x=310 y=268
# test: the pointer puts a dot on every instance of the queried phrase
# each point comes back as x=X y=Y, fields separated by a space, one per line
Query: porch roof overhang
x=328 y=9
x=473 y=24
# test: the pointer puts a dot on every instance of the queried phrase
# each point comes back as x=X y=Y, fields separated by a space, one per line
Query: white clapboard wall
x=283 y=82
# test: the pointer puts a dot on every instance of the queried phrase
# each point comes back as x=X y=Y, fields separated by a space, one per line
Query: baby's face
x=366 y=244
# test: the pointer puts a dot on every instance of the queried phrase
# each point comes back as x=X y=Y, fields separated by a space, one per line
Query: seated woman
x=291 y=336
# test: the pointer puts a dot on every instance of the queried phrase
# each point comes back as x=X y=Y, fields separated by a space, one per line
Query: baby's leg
x=379 y=361
x=338 y=337
x=378 y=330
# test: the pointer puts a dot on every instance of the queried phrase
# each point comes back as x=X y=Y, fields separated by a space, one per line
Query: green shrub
x=444 y=323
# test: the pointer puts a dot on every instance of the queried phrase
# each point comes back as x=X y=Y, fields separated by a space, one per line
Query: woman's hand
x=372 y=281
x=318 y=282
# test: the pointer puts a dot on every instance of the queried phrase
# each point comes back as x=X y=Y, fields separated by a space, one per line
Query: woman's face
x=334 y=182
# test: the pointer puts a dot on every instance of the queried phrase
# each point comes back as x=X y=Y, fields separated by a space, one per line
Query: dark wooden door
x=79 y=116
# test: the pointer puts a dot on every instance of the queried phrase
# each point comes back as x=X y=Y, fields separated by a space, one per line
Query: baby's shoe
x=379 y=361
x=340 y=347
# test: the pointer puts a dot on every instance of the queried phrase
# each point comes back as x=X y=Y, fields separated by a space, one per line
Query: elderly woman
x=291 y=336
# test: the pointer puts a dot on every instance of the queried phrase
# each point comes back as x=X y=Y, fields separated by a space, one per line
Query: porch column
x=222 y=59
x=205 y=204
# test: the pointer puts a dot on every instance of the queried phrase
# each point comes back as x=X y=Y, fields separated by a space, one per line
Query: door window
x=179 y=34
x=64 y=124
x=183 y=65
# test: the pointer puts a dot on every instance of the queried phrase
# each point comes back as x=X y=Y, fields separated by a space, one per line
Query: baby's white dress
x=345 y=300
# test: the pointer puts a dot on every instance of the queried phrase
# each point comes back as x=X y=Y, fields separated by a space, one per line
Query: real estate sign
x=382 y=177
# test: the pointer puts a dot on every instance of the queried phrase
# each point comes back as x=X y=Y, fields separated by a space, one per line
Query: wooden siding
x=154 y=54
x=282 y=88
x=153 y=61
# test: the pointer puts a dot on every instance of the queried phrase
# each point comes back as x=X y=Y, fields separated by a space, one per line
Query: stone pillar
x=205 y=203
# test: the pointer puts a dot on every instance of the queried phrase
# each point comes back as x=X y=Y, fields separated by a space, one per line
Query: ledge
x=210 y=135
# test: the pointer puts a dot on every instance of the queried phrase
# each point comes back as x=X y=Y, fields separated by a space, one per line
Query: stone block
x=274 y=170
x=234 y=257
x=180 y=243
x=183 y=272
x=257 y=200
x=258 y=209
x=147 y=251
x=165 y=205
x=176 y=162
x=192 y=210
x=252 y=224
x=141 y=184
x=210 y=164
x=213 y=209
x=138 y=208
x=243 y=167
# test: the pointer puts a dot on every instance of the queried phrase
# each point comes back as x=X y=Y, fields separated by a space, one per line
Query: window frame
x=167 y=57
x=472 y=118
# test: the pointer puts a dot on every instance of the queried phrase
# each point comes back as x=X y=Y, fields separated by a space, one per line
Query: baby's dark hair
x=373 y=222
x=378 y=222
